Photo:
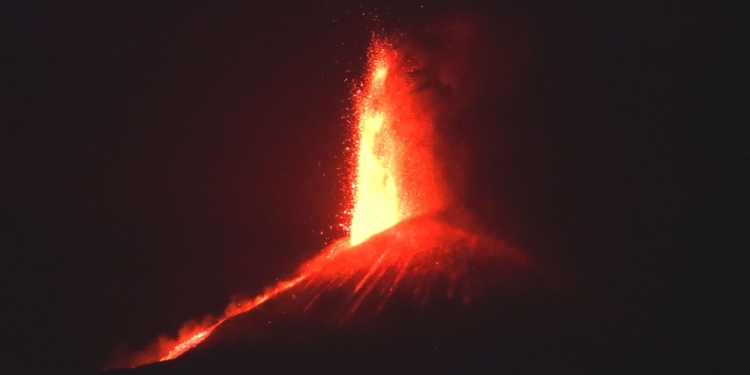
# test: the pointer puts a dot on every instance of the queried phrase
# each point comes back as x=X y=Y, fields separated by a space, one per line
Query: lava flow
x=402 y=235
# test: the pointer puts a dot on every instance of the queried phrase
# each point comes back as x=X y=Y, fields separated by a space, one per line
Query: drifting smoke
x=406 y=231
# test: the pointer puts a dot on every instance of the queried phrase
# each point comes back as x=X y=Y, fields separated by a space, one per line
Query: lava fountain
x=402 y=235
x=395 y=171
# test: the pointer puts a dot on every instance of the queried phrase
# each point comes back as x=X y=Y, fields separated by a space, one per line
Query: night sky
x=158 y=159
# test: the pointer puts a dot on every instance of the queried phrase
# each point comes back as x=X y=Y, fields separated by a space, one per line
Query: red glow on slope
x=398 y=238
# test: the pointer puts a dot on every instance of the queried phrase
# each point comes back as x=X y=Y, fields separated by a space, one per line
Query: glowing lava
x=191 y=336
x=395 y=176
x=376 y=204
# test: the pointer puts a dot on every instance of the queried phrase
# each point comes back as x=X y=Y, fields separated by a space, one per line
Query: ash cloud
x=456 y=64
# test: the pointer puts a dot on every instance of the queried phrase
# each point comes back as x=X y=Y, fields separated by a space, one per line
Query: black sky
x=159 y=158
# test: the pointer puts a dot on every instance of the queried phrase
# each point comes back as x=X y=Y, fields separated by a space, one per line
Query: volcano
x=505 y=187
x=415 y=277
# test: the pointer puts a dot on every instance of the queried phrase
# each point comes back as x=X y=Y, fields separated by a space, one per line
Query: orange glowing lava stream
x=395 y=177
x=196 y=338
